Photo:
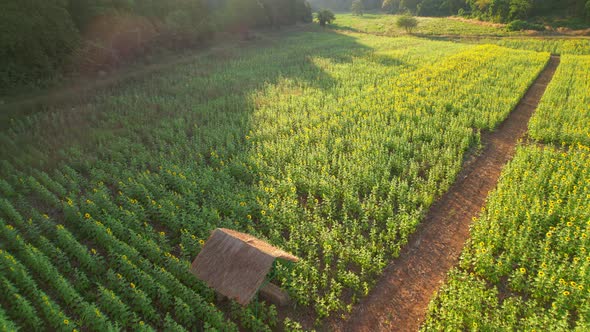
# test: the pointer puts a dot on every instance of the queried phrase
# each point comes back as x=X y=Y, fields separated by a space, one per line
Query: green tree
x=242 y=15
x=519 y=9
x=357 y=7
x=409 y=5
x=390 y=6
x=429 y=8
x=325 y=16
x=407 y=22
x=36 y=39
x=303 y=10
x=83 y=11
x=189 y=18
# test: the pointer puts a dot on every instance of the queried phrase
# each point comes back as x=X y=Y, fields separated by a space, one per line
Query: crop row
x=526 y=265
x=564 y=112
x=350 y=183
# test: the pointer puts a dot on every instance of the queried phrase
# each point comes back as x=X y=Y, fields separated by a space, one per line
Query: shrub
x=325 y=16
x=407 y=22
x=518 y=25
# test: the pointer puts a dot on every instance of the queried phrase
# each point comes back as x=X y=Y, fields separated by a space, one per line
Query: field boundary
x=399 y=300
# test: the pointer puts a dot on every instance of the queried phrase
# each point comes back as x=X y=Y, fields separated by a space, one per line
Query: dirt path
x=399 y=300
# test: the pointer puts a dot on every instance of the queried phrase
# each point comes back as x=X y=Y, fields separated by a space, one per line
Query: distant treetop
x=325 y=16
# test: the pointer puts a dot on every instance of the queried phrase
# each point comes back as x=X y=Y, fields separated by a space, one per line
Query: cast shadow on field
x=389 y=61
x=339 y=27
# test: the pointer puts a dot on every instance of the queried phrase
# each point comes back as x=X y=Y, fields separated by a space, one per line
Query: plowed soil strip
x=399 y=300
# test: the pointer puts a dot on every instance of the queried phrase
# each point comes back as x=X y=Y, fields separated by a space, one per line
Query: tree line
x=38 y=37
x=491 y=10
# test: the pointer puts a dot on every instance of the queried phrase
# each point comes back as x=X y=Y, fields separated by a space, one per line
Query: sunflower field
x=526 y=265
x=564 y=113
x=331 y=146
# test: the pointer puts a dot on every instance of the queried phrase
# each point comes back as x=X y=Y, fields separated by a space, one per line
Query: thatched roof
x=235 y=264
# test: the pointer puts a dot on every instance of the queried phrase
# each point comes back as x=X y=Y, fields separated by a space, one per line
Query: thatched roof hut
x=235 y=264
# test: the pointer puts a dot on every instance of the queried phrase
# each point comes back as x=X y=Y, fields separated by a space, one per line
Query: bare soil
x=399 y=300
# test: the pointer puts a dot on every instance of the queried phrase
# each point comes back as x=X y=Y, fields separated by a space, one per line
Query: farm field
x=564 y=113
x=553 y=45
x=329 y=145
x=385 y=25
x=464 y=32
x=525 y=267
